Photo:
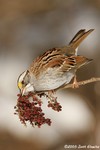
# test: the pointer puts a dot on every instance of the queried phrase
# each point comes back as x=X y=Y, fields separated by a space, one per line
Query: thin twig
x=93 y=79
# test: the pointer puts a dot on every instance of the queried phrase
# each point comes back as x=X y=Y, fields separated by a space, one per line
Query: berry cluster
x=55 y=105
x=29 y=109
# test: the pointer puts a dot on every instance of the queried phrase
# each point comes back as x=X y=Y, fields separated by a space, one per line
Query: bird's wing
x=49 y=59
x=73 y=62
x=59 y=62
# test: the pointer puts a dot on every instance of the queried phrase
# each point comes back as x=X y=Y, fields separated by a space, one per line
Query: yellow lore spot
x=19 y=85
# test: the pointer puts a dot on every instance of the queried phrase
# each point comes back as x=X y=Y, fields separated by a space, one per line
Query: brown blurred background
x=27 y=28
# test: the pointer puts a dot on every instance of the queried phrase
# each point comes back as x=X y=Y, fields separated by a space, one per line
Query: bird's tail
x=79 y=37
x=75 y=42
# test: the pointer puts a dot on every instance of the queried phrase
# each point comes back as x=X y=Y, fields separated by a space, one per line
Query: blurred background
x=27 y=29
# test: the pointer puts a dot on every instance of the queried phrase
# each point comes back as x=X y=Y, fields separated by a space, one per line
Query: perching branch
x=93 y=79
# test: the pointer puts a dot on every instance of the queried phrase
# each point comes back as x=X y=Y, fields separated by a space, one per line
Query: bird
x=55 y=67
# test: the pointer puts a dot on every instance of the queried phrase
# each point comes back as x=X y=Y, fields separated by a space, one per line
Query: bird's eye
x=22 y=82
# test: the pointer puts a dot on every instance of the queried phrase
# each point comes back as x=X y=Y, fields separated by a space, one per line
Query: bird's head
x=24 y=84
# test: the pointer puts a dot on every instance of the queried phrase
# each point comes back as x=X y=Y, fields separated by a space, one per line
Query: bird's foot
x=75 y=83
x=51 y=95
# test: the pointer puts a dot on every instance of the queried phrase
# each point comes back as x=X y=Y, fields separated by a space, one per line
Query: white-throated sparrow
x=55 y=67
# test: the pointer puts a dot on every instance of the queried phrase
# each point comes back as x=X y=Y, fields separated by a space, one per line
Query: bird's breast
x=50 y=79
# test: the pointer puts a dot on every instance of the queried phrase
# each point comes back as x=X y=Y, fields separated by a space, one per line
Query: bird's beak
x=23 y=91
x=27 y=88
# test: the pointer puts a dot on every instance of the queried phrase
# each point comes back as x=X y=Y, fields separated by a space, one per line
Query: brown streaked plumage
x=57 y=66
